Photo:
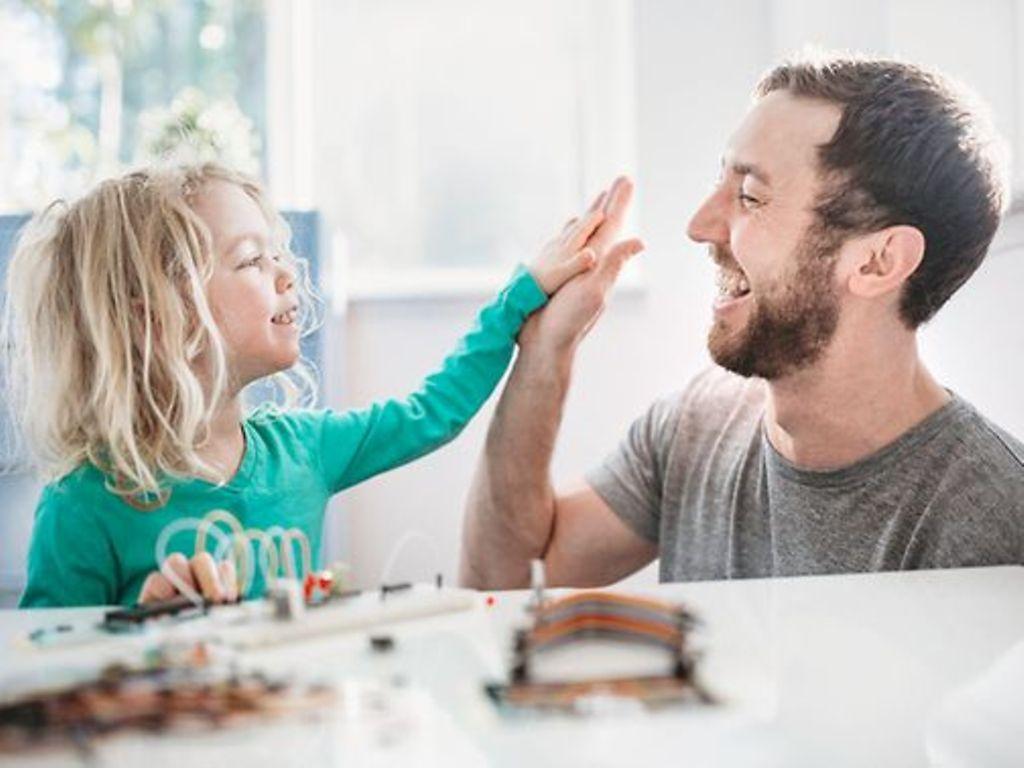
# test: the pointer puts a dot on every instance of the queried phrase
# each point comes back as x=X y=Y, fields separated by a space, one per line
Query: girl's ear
x=887 y=261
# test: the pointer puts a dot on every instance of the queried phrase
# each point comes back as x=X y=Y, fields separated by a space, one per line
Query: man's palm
x=574 y=309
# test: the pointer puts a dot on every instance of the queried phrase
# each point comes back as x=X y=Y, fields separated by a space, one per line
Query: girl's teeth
x=285 y=318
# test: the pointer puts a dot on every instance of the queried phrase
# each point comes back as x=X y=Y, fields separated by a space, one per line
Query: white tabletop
x=833 y=670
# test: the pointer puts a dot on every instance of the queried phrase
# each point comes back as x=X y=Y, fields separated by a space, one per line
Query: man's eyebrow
x=749 y=169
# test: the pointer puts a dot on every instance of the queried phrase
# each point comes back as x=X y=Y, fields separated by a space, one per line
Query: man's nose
x=709 y=224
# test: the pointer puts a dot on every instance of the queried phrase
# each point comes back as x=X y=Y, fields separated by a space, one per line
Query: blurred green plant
x=196 y=128
x=92 y=85
x=103 y=34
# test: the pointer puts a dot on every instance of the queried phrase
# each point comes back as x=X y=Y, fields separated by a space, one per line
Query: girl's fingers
x=176 y=567
x=216 y=582
x=581 y=262
x=565 y=271
x=596 y=206
x=205 y=571
x=578 y=235
x=228 y=580
x=156 y=588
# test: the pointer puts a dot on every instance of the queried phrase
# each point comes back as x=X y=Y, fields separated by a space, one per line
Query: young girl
x=135 y=318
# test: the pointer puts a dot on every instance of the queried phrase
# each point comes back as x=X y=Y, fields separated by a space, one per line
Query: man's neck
x=856 y=400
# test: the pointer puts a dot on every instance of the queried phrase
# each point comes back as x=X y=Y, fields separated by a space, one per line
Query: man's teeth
x=733 y=284
x=284 y=318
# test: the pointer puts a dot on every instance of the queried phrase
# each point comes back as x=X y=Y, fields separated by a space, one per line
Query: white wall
x=696 y=64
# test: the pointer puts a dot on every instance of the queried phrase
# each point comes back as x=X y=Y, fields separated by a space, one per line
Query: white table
x=816 y=671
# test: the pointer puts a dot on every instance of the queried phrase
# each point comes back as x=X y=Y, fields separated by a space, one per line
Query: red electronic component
x=308 y=585
x=317 y=584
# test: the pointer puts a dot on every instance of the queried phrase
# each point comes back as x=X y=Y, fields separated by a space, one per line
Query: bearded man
x=855 y=198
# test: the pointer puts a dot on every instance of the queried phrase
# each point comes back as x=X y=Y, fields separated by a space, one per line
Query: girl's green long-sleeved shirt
x=89 y=547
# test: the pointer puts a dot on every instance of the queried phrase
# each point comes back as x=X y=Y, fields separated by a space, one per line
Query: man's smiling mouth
x=732 y=284
x=731 y=280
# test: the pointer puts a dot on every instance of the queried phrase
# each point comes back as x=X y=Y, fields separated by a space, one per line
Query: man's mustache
x=722 y=256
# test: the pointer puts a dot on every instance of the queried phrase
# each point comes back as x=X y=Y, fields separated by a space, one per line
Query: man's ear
x=887 y=261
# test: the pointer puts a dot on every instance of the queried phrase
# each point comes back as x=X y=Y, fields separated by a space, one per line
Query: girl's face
x=252 y=291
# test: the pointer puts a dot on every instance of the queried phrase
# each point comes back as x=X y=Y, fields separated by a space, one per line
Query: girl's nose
x=285 y=277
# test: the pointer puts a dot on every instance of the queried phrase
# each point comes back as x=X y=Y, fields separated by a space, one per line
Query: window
x=443 y=140
x=454 y=136
x=90 y=87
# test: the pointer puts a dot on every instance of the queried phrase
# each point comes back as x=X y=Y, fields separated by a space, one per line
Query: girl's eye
x=253 y=261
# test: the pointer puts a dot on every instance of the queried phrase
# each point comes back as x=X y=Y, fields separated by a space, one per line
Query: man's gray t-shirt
x=698 y=476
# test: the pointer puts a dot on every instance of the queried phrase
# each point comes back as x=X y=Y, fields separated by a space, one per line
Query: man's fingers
x=228 y=580
x=577 y=235
x=620 y=253
x=615 y=208
x=625 y=250
x=155 y=588
x=598 y=201
x=205 y=571
x=618 y=201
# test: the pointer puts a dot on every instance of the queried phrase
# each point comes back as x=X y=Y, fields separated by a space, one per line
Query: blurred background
x=440 y=142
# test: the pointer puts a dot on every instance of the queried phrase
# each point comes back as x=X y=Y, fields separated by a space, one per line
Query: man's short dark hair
x=908 y=150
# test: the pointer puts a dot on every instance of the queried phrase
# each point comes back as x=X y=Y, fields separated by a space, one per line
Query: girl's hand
x=568 y=255
x=216 y=582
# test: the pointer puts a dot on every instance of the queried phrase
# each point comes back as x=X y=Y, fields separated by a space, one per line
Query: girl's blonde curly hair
x=105 y=324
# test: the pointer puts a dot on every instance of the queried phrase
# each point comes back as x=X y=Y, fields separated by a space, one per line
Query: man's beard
x=790 y=325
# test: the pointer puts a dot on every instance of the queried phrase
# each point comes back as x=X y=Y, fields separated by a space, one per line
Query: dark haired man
x=854 y=199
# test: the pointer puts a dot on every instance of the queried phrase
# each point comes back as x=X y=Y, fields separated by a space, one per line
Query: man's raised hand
x=574 y=309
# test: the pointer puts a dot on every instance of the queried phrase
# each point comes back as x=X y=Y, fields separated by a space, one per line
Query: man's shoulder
x=714 y=402
x=717 y=399
x=976 y=469
x=975 y=514
x=988 y=455
x=1005 y=448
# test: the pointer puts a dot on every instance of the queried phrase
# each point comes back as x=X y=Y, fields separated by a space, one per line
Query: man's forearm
x=511 y=503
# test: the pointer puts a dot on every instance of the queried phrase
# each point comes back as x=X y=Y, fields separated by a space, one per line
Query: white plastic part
x=286 y=598
x=537 y=577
